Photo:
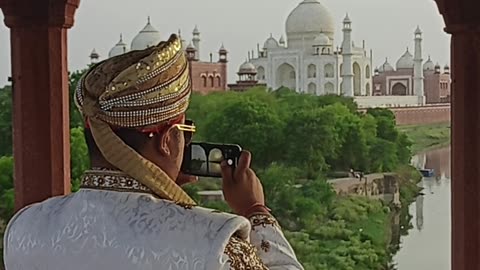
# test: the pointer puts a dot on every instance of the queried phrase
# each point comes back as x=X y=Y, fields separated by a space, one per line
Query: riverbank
x=427 y=137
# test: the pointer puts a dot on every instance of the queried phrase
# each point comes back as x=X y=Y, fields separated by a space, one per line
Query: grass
x=427 y=136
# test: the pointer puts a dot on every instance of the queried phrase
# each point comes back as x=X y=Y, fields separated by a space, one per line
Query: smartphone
x=203 y=159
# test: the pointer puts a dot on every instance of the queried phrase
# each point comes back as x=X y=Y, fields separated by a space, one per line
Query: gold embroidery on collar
x=263 y=220
x=112 y=180
x=243 y=255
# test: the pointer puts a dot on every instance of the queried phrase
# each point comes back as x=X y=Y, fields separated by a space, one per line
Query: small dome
x=94 y=54
x=271 y=43
x=446 y=69
x=322 y=40
x=222 y=48
x=418 y=31
x=247 y=68
x=429 y=65
x=190 y=47
x=196 y=31
x=347 y=19
x=385 y=67
x=308 y=19
x=147 y=37
x=118 y=49
x=437 y=66
x=282 y=40
x=406 y=61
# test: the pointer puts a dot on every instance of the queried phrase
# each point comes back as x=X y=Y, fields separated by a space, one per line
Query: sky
x=387 y=26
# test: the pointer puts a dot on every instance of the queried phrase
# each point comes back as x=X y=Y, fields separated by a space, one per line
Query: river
x=427 y=245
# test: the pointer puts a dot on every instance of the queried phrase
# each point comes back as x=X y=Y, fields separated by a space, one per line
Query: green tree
x=79 y=160
x=404 y=149
x=6 y=188
x=383 y=155
x=386 y=124
x=311 y=140
x=6 y=121
x=75 y=116
x=353 y=149
x=252 y=123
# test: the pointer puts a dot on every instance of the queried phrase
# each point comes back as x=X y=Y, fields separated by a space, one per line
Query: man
x=130 y=213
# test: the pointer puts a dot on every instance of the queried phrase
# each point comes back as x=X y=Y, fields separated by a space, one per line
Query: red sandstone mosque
x=410 y=73
x=207 y=76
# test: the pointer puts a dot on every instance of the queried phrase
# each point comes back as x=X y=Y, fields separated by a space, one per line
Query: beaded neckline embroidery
x=106 y=179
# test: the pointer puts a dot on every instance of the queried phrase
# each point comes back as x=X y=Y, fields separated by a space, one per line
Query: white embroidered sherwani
x=112 y=230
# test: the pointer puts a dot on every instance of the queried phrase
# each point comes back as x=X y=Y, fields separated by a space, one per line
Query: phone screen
x=203 y=159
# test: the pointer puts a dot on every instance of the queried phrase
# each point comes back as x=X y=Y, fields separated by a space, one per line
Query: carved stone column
x=463 y=23
x=38 y=36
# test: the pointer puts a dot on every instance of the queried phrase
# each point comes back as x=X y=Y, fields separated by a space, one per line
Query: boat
x=427 y=172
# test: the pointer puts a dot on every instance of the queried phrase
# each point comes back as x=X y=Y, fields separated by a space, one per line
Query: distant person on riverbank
x=130 y=212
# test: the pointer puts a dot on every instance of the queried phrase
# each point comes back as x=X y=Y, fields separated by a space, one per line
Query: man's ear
x=164 y=143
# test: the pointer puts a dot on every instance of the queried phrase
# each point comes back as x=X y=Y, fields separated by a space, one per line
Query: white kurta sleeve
x=268 y=249
x=241 y=255
x=273 y=248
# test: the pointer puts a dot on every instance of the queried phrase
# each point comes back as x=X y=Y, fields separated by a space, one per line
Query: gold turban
x=136 y=90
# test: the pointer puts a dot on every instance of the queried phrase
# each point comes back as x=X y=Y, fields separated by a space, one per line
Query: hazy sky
x=387 y=26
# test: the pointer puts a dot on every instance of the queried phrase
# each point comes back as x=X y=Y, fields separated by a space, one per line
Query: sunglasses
x=188 y=128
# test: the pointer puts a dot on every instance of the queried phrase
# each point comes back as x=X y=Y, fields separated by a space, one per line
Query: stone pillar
x=464 y=24
x=38 y=32
x=465 y=149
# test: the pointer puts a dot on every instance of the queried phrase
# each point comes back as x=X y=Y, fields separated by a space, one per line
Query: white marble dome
x=385 y=67
x=405 y=61
x=429 y=65
x=309 y=18
x=147 y=37
x=119 y=48
x=322 y=40
x=247 y=68
x=271 y=43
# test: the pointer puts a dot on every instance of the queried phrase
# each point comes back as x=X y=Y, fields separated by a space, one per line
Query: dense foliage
x=314 y=134
x=296 y=140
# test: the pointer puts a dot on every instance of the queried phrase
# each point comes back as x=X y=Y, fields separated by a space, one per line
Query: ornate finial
x=121 y=37
x=418 y=31
x=148 y=20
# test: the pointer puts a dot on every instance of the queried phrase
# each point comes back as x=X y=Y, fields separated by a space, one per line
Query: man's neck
x=97 y=163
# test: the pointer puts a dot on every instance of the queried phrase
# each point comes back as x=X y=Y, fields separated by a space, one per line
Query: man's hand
x=241 y=187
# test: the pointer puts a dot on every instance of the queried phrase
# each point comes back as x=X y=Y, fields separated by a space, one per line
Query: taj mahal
x=309 y=61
